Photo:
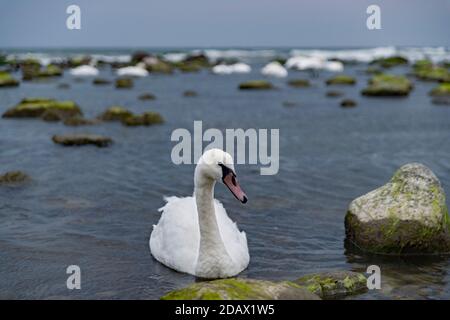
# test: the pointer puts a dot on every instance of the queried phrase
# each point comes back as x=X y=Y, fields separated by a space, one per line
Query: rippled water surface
x=95 y=207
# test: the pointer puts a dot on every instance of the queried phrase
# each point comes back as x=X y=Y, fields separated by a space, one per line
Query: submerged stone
x=101 y=81
x=256 y=85
x=334 y=94
x=408 y=215
x=348 y=103
x=145 y=119
x=190 y=93
x=13 y=177
x=341 y=80
x=146 y=96
x=79 y=121
x=124 y=83
x=82 y=139
x=241 y=289
x=299 y=83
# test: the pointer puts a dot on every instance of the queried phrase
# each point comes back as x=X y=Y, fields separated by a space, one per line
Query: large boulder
x=241 y=289
x=37 y=107
x=408 y=215
x=427 y=71
x=388 y=85
x=334 y=285
x=441 y=90
x=390 y=62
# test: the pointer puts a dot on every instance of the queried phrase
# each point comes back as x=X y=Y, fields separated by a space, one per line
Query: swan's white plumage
x=175 y=240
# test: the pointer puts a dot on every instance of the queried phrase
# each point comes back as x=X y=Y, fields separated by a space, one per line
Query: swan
x=274 y=69
x=84 y=71
x=194 y=234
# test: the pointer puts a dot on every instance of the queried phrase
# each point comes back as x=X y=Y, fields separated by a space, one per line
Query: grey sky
x=226 y=23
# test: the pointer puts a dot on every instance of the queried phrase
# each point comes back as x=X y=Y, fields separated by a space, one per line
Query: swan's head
x=218 y=165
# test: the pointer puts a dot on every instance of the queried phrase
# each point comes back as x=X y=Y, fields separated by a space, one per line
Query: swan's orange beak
x=231 y=182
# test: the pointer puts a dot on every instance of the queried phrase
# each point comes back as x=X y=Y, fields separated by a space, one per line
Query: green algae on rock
x=241 y=289
x=299 y=83
x=256 y=85
x=6 y=80
x=13 y=177
x=334 y=94
x=36 y=107
x=390 y=62
x=388 y=85
x=81 y=140
x=441 y=90
x=408 y=215
x=115 y=113
x=79 y=121
x=425 y=70
x=145 y=119
x=124 y=83
x=341 y=79
x=334 y=285
x=101 y=81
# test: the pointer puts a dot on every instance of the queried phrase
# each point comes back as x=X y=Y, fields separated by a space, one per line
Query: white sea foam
x=84 y=71
x=274 y=69
x=133 y=71
x=232 y=68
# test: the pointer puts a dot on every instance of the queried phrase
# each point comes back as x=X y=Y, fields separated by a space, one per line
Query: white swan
x=194 y=234
x=84 y=71
x=274 y=69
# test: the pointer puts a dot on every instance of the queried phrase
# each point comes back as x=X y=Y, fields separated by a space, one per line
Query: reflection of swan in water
x=195 y=234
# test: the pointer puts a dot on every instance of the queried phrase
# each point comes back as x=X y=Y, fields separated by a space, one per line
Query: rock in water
x=241 y=289
x=13 y=177
x=408 y=215
x=334 y=285
x=82 y=139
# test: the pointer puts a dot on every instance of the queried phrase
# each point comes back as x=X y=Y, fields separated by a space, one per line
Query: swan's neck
x=212 y=252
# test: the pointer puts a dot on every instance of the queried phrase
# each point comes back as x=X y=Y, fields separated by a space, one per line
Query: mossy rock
x=145 y=119
x=299 y=83
x=408 y=215
x=390 y=61
x=348 y=103
x=101 y=81
x=13 y=177
x=373 y=70
x=32 y=71
x=115 y=113
x=334 y=94
x=36 y=107
x=50 y=70
x=79 y=121
x=147 y=96
x=188 y=67
x=334 y=285
x=256 y=85
x=81 y=140
x=388 y=85
x=200 y=60
x=6 y=80
x=426 y=71
x=190 y=93
x=441 y=90
x=241 y=289
x=78 y=61
x=160 y=67
x=124 y=83
x=341 y=80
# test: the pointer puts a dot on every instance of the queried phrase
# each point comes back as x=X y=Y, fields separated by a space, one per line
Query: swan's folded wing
x=175 y=239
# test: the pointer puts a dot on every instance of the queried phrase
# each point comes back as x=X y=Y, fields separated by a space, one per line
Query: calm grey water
x=95 y=207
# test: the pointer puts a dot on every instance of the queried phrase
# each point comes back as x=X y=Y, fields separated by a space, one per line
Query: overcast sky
x=225 y=23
